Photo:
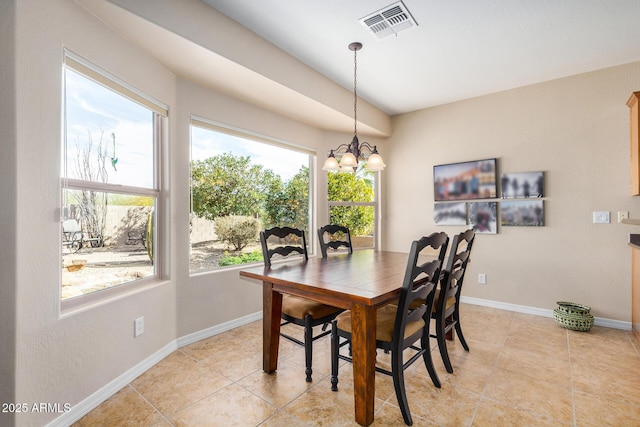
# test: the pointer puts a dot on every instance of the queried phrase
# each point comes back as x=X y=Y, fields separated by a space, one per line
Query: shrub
x=227 y=259
x=237 y=231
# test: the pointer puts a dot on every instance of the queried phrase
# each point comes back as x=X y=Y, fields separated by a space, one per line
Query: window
x=242 y=183
x=352 y=199
x=110 y=181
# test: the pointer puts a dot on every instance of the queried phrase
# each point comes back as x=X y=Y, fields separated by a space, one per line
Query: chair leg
x=428 y=360
x=442 y=343
x=456 y=317
x=335 y=348
x=397 y=372
x=449 y=321
x=308 y=346
x=449 y=335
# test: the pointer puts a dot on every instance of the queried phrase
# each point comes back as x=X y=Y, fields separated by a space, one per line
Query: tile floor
x=522 y=370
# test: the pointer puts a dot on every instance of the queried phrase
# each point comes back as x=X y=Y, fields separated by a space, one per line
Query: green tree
x=287 y=204
x=275 y=207
x=349 y=187
x=298 y=194
x=228 y=185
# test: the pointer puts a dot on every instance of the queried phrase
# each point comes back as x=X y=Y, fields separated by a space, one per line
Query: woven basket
x=573 y=316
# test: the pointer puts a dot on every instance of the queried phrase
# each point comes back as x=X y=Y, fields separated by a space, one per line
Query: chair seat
x=384 y=325
x=450 y=302
x=299 y=307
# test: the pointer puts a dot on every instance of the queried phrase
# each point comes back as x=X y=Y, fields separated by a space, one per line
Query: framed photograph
x=522 y=185
x=528 y=213
x=450 y=213
x=483 y=217
x=465 y=181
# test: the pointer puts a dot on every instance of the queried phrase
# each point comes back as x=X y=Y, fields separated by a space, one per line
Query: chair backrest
x=70 y=226
x=284 y=248
x=420 y=280
x=334 y=243
x=451 y=283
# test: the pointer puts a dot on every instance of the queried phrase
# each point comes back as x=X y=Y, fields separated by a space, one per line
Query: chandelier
x=355 y=151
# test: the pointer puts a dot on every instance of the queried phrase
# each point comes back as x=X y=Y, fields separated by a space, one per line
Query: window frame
x=376 y=210
x=160 y=113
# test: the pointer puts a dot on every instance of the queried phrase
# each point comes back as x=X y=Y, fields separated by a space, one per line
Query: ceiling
x=292 y=58
x=459 y=49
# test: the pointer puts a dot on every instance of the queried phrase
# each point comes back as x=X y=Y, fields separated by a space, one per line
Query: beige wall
x=8 y=217
x=213 y=298
x=210 y=299
x=576 y=130
x=65 y=357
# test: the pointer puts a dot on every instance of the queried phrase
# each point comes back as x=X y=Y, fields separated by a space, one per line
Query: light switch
x=601 y=217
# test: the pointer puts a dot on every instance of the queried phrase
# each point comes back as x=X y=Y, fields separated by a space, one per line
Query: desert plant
x=236 y=230
x=90 y=166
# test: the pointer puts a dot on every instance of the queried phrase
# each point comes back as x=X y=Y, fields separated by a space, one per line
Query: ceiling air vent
x=389 y=20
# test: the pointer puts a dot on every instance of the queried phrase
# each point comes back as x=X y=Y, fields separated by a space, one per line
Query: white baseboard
x=218 y=329
x=87 y=405
x=598 y=321
x=93 y=401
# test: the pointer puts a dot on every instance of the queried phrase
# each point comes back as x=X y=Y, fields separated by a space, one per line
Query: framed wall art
x=522 y=185
x=450 y=213
x=522 y=213
x=465 y=181
x=483 y=217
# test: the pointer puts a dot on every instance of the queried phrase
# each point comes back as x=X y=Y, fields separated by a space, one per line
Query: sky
x=206 y=143
x=93 y=111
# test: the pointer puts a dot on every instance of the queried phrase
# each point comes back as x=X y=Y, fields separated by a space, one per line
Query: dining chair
x=337 y=235
x=400 y=326
x=297 y=310
x=446 y=308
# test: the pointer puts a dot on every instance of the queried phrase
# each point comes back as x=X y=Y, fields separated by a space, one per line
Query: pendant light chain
x=355 y=151
x=355 y=92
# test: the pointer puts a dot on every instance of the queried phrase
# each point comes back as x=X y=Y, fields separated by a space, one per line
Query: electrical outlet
x=138 y=326
x=622 y=216
x=482 y=279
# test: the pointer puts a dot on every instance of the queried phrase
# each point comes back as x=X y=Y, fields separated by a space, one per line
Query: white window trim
x=81 y=303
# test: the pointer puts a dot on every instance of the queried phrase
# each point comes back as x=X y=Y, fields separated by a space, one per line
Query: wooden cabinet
x=634 y=107
x=635 y=290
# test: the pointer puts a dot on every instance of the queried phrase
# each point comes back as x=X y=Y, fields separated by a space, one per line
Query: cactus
x=149 y=236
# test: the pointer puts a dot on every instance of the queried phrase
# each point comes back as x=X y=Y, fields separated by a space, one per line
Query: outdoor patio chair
x=73 y=239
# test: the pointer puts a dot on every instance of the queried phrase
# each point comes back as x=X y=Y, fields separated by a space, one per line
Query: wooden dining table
x=360 y=282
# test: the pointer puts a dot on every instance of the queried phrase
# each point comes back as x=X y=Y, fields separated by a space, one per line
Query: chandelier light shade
x=375 y=163
x=351 y=154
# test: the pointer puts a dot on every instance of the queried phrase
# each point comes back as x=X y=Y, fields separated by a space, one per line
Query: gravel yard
x=108 y=267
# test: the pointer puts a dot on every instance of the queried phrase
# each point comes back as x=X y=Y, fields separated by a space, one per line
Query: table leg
x=271 y=312
x=363 y=334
